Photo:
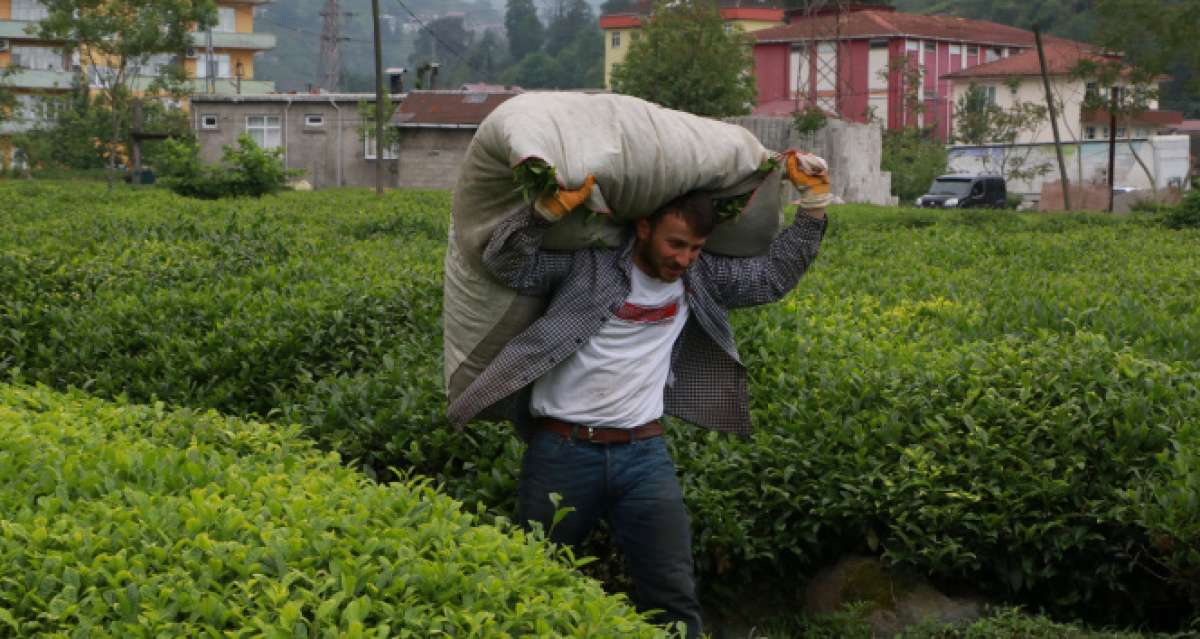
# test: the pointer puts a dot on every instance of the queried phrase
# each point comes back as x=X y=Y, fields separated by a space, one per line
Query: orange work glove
x=556 y=205
x=810 y=175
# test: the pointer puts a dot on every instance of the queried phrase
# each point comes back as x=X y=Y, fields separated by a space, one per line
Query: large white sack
x=642 y=155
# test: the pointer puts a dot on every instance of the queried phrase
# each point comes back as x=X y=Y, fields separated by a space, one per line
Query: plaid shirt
x=707 y=385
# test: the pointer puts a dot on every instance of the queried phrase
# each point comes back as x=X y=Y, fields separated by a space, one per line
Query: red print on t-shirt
x=647 y=314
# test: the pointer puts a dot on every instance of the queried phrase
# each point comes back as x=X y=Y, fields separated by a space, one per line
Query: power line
x=438 y=39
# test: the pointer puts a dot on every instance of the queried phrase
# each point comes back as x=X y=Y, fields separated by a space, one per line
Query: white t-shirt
x=616 y=379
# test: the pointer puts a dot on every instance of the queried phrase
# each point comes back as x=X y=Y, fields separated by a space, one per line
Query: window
x=973 y=50
x=990 y=91
x=265 y=130
x=956 y=49
x=992 y=54
x=314 y=120
x=219 y=63
x=1092 y=91
x=930 y=46
x=1140 y=132
x=616 y=39
x=208 y=121
x=226 y=20
x=728 y=27
x=1120 y=132
x=29 y=10
x=37 y=110
x=154 y=65
x=37 y=58
x=1091 y=133
x=391 y=153
x=1013 y=51
x=912 y=45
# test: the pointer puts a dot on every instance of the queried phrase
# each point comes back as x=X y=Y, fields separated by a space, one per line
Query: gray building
x=322 y=134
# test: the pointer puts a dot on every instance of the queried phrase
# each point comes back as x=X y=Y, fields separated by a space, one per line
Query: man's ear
x=643 y=229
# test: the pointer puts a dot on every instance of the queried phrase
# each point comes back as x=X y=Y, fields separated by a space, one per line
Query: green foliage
x=980 y=121
x=525 y=31
x=116 y=36
x=686 y=60
x=914 y=158
x=245 y=170
x=1186 y=214
x=810 y=120
x=534 y=178
x=1000 y=398
x=134 y=521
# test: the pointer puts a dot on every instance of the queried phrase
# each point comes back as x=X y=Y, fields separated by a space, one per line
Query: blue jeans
x=633 y=486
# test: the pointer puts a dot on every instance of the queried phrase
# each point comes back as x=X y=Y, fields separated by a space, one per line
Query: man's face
x=666 y=250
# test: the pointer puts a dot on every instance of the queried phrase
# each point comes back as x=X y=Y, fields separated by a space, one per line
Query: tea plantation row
x=1007 y=400
x=132 y=521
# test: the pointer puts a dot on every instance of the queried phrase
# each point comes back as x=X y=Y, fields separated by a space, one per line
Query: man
x=631 y=334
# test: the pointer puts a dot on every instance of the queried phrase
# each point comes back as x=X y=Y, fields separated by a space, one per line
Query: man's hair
x=696 y=208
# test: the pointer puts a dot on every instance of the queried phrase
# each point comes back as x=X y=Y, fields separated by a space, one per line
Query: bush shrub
x=1185 y=215
x=977 y=396
x=245 y=170
x=914 y=159
x=133 y=521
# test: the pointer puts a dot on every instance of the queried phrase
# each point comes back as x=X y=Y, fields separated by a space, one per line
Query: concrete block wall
x=430 y=158
x=853 y=151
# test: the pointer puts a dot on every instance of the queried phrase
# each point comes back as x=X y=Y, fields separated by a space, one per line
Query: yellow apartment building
x=219 y=61
x=621 y=30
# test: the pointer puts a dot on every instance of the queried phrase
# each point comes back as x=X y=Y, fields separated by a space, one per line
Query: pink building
x=851 y=64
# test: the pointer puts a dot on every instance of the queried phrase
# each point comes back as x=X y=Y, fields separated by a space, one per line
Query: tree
x=116 y=38
x=524 y=28
x=618 y=6
x=443 y=39
x=574 y=20
x=536 y=71
x=980 y=121
x=686 y=60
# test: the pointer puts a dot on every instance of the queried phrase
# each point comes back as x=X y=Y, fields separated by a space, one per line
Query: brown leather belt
x=602 y=435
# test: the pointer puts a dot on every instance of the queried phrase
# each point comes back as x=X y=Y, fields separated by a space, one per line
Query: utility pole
x=378 y=99
x=1062 y=166
x=1112 y=143
x=331 y=64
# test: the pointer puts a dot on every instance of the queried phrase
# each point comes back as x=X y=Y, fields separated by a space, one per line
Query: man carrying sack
x=629 y=335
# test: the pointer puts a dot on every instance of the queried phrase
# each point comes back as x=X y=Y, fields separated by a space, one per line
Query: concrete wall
x=852 y=150
x=334 y=154
x=430 y=158
x=1166 y=156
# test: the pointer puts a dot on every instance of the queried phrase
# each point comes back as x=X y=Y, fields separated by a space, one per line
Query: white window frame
x=314 y=120
x=205 y=121
x=1091 y=133
x=37 y=58
x=226 y=20
x=29 y=10
x=990 y=91
x=391 y=153
x=221 y=60
x=267 y=127
x=614 y=40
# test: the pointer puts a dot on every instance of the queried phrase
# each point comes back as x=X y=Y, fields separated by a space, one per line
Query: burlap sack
x=642 y=155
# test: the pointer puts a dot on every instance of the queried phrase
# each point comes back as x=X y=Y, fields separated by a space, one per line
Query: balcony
x=26 y=79
x=225 y=86
x=15 y=30
x=226 y=40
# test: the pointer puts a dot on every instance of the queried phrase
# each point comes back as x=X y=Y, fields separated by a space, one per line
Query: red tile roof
x=752 y=13
x=620 y=21
x=447 y=108
x=874 y=23
x=1061 y=58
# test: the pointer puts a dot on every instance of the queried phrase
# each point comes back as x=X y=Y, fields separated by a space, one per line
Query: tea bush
x=134 y=521
x=985 y=396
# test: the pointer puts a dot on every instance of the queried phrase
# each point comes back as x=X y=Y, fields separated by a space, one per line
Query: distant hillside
x=294 y=63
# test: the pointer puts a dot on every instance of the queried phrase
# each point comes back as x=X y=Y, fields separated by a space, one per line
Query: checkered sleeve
x=750 y=281
x=515 y=257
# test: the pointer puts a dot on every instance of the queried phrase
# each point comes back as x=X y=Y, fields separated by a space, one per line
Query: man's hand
x=554 y=207
x=810 y=175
